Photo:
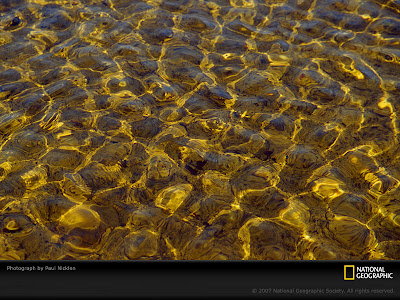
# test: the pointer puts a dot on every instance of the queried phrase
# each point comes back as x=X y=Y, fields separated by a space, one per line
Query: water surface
x=186 y=129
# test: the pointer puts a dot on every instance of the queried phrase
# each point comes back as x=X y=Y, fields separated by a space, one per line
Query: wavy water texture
x=199 y=129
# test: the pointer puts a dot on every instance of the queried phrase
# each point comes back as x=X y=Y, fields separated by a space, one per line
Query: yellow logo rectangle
x=349 y=269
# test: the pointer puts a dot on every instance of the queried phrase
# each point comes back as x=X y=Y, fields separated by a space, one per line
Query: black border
x=194 y=280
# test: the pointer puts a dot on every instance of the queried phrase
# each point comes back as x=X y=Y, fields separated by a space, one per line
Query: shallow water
x=186 y=129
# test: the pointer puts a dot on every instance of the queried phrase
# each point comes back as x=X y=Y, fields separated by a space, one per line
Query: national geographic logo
x=349 y=272
x=366 y=272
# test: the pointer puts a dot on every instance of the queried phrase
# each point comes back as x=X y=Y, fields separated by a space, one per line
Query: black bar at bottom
x=200 y=279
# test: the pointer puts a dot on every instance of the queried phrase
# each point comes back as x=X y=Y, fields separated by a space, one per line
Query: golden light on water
x=211 y=130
